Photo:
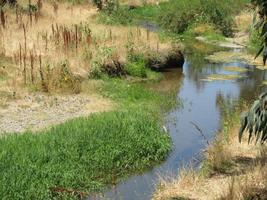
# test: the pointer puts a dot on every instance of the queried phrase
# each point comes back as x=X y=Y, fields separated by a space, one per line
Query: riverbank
x=230 y=170
x=85 y=155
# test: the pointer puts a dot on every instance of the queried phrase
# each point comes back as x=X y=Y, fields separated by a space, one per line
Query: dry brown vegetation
x=55 y=47
x=236 y=172
x=51 y=51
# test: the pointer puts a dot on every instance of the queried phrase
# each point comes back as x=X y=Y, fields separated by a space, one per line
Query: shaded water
x=200 y=106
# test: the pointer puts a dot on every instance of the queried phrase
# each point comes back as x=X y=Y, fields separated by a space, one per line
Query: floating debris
x=235 y=69
x=222 y=77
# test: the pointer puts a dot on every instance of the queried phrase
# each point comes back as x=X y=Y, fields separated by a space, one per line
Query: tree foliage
x=255 y=120
x=260 y=23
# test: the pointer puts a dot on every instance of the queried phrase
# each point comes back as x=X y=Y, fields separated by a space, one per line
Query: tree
x=255 y=120
x=261 y=25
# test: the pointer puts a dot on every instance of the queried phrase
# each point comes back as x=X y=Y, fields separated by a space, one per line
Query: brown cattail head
x=3 y=18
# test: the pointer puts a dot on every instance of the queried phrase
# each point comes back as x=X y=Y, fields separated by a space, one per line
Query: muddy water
x=200 y=106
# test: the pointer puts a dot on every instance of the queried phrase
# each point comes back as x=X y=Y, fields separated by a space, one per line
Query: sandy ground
x=38 y=111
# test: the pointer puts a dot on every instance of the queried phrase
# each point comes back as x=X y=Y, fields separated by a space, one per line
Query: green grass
x=87 y=154
x=254 y=43
x=136 y=96
x=83 y=154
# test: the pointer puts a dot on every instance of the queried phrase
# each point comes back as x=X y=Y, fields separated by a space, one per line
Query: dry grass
x=71 y=33
x=244 y=21
x=186 y=184
x=245 y=176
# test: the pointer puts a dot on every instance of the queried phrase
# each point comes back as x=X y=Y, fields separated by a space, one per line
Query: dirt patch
x=34 y=112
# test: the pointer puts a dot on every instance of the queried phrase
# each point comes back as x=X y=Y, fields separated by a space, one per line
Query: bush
x=255 y=41
x=136 y=69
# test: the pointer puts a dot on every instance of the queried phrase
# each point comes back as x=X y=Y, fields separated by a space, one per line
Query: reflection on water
x=200 y=107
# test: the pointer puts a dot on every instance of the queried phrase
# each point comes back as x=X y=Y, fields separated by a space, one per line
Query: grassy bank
x=230 y=170
x=86 y=154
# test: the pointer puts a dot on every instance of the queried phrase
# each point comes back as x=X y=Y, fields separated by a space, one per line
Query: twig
x=201 y=132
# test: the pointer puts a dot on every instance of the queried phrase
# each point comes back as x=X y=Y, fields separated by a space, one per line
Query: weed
x=254 y=43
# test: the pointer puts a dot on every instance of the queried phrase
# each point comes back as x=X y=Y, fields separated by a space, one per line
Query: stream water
x=200 y=106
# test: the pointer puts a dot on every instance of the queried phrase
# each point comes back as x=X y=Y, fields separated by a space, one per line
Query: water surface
x=200 y=106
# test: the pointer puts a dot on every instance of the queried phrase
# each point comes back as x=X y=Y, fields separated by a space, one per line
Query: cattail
x=76 y=36
x=46 y=41
x=30 y=12
x=32 y=66
x=20 y=56
x=24 y=69
x=57 y=34
x=44 y=86
x=69 y=37
x=25 y=38
x=3 y=18
x=17 y=15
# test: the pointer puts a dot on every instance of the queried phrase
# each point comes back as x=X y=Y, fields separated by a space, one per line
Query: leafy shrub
x=255 y=41
x=136 y=69
x=121 y=16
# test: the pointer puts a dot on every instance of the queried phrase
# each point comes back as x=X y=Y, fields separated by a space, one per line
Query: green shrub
x=122 y=16
x=255 y=41
x=136 y=69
